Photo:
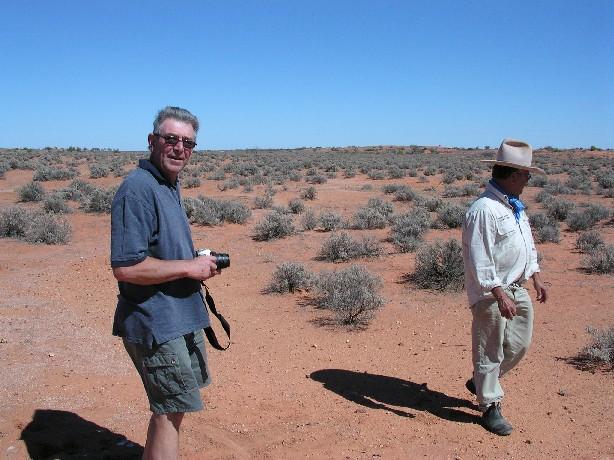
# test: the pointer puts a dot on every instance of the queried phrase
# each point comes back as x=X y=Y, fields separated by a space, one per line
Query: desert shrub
x=440 y=266
x=47 y=228
x=190 y=182
x=433 y=204
x=263 y=201
x=341 y=246
x=368 y=218
x=33 y=191
x=309 y=220
x=55 y=203
x=600 y=261
x=606 y=180
x=583 y=220
x=543 y=196
x=309 y=193
x=394 y=172
x=77 y=189
x=351 y=294
x=391 y=188
x=97 y=171
x=580 y=182
x=404 y=193
x=274 y=225
x=316 y=179
x=290 y=277
x=544 y=228
x=601 y=350
x=408 y=229
x=98 y=200
x=13 y=222
x=589 y=241
x=349 y=172
x=538 y=180
x=555 y=187
x=330 y=220
x=296 y=206
x=47 y=173
x=376 y=174
x=209 y=211
x=34 y=226
x=450 y=215
x=597 y=211
x=559 y=208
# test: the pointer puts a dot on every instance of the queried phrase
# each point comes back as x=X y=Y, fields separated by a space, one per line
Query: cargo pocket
x=162 y=375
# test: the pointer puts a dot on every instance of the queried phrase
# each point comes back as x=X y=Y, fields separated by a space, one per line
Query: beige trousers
x=498 y=344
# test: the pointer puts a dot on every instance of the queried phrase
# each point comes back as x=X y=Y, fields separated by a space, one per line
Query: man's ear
x=150 y=140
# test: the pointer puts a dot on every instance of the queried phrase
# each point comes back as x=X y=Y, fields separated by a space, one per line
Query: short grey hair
x=175 y=113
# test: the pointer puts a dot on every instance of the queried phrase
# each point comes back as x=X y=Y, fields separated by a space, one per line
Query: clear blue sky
x=290 y=73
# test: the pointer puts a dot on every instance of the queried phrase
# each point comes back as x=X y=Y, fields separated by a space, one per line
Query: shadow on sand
x=65 y=435
x=382 y=392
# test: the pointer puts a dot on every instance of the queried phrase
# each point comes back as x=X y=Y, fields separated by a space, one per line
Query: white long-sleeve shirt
x=497 y=250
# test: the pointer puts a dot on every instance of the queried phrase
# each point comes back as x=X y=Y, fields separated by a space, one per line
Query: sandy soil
x=289 y=387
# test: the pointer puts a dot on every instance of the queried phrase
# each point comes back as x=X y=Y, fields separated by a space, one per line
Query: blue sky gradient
x=275 y=73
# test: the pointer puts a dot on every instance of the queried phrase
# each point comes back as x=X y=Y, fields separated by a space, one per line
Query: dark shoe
x=495 y=422
x=470 y=385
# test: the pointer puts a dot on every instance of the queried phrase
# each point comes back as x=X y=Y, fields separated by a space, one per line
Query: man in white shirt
x=500 y=256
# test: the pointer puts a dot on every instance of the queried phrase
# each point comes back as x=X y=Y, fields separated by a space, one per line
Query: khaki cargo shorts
x=173 y=372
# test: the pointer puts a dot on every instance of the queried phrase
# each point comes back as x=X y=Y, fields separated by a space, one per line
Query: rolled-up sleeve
x=479 y=233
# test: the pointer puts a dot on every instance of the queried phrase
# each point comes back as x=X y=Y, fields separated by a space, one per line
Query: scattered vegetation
x=341 y=247
x=600 y=261
x=439 y=266
x=34 y=226
x=290 y=277
x=274 y=226
x=351 y=294
x=32 y=191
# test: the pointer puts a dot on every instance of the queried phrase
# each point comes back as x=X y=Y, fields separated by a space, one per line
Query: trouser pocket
x=162 y=375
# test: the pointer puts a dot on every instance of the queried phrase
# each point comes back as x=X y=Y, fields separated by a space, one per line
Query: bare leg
x=163 y=437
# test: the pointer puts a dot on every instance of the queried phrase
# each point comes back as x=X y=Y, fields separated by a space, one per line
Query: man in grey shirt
x=500 y=256
x=160 y=311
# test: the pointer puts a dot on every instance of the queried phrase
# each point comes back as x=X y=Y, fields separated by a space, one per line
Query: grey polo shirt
x=148 y=220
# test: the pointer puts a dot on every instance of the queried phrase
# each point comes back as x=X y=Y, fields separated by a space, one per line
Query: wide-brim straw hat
x=515 y=154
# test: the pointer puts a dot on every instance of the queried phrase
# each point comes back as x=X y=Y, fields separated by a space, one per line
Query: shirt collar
x=148 y=166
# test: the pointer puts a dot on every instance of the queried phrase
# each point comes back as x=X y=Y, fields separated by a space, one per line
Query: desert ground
x=295 y=383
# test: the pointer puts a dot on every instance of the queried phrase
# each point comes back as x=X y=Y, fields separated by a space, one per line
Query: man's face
x=171 y=159
x=519 y=181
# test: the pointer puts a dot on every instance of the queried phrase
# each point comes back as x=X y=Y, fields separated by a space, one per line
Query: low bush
x=589 y=241
x=559 y=208
x=600 y=261
x=34 y=226
x=440 y=266
x=601 y=350
x=330 y=220
x=77 y=189
x=585 y=219
x=47 y=173
x=368 y=218
x=309 y=193
x=408 y=229
x=341 y=247
x=309 y=220
x=210 y=212
x=98 y=170
x=190 y=182
x=55 y=203
x=450 y=215
x=544 y=228
x=263 y=201
x=404 y=193
x=98 y=200
x=296 y=206
x=351 y=294
x=290 y=277
x=274 y=225
x=33 y=191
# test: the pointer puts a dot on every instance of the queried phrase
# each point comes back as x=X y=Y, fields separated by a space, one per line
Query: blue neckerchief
x=514 y=201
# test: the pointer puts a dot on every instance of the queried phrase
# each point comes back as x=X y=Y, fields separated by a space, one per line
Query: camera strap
x=209 y=302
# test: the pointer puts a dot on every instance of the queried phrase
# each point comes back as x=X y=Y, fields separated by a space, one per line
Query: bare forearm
x=153 y=271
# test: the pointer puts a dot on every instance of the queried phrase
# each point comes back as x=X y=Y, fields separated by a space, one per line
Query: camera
x=222 y=260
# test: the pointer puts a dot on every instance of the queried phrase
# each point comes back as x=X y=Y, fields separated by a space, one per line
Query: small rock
x=51 y=355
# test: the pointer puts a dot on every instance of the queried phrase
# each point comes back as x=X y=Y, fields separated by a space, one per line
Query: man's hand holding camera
x=203 y=268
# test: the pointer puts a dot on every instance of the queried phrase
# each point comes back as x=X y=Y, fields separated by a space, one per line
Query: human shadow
x=383 y=392
x=64 y=435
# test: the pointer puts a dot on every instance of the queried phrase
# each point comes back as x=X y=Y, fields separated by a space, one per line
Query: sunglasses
x=171 y=139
